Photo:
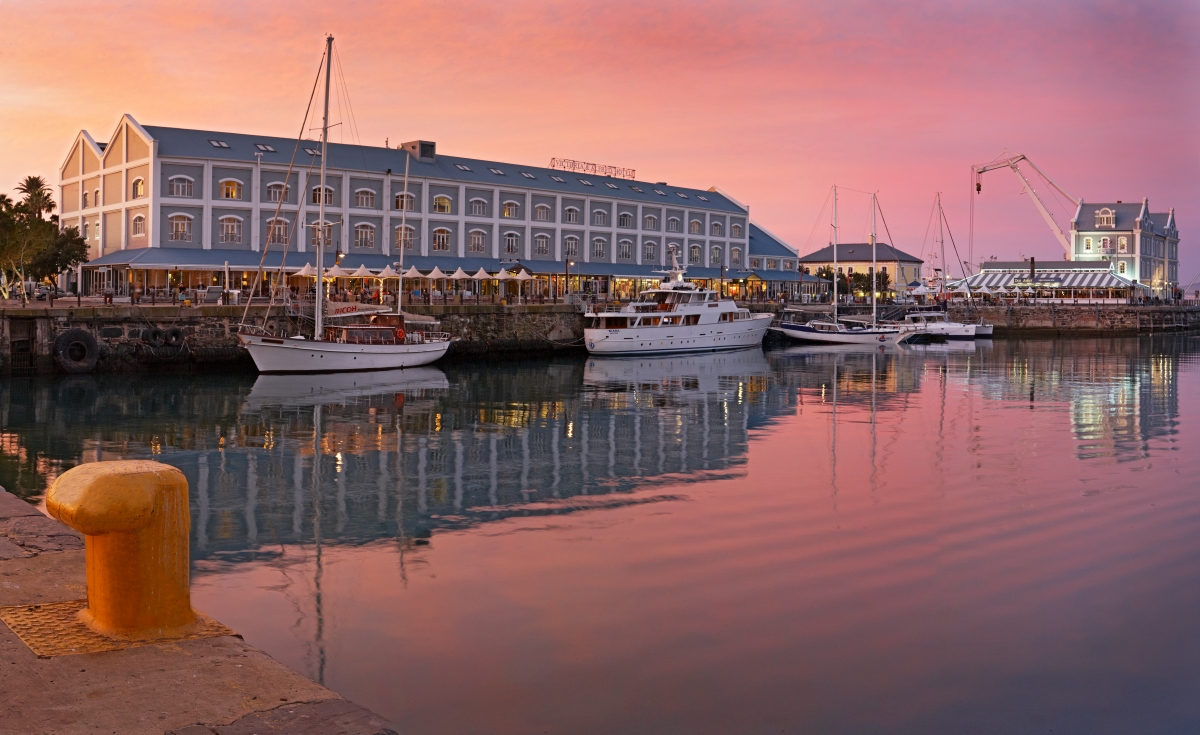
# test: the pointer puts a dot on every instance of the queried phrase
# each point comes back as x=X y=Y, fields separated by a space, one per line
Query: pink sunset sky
x=773 y=102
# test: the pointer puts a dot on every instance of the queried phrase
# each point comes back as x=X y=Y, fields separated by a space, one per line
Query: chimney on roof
x=1118 y=201
x=422 y=150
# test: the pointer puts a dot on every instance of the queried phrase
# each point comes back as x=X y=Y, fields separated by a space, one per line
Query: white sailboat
x=379 y=343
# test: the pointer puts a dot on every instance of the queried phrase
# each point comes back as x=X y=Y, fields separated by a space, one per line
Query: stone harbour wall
x=1080 y=319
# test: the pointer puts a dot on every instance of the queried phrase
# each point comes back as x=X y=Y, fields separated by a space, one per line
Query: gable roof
x=859 y=252
x=185 y=143
x=1127 y=213
x=764 y=243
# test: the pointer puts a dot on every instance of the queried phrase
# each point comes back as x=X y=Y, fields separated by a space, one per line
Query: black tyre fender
x=173 y=337
x=153 y=336
x=76 y=351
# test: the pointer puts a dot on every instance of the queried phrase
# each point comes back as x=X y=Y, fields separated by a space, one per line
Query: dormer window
x=1105 y=218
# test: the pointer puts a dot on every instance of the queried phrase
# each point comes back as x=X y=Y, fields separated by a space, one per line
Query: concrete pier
x=207 y=686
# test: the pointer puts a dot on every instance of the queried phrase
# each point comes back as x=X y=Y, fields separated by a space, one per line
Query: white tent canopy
x=920 y=291
x=436 y=274
x=481 y=275
x=307 y=271
x=503 y=275
x=460 y=275
x=362 y=272
x=388 y=273
x=337 y=272
x=524 y=276
x=412 y=272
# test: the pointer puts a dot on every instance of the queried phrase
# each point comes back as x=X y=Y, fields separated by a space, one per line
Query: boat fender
x=153 y=337
x=399 y=334
x=173 y=337
x=76 y=351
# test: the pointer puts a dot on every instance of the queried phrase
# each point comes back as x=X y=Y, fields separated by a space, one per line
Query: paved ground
x=212 y=686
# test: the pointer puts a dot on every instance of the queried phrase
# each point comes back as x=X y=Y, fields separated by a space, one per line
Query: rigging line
x=337 y=57
x=961 y=267
x=891 y=241
x=287 y=180
x=928 y=226
x=820 y=218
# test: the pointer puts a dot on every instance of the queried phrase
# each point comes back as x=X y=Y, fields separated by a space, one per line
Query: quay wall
x=1082 y=320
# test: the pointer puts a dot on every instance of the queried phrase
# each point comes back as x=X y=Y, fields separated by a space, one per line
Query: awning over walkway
x=1089 y=279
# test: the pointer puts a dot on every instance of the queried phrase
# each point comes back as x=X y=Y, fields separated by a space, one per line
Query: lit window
x=441 y=204
x=649 y=252
x=316 y=195
x=571 y=216
x=735 y=231
x=660 y=192
x=695 y=227
x=231 y=189
x=364 y=198
x=1122 y=244
x=789 y=265
x=278 y=191
x=716 y=229
x=715 y=256
x=625 y=249
x=756 y=263
x=598 y=247
x=137 y=189
x=541 y=245
x=772 y=264
x=570 y=246
x=650 y=222
x=611 y=186
x=218 y=144
x=406 y=237
x=181 y=227
x=639 y=191
x=405 y=201
x=512 y=243
x=264 y=147
x=600 y=218
x=462 y=167
x=139 y=226
x=702 y=198
x=181 y=186
x=541 y=213
x=585 y=182
x=496 y=171
x=695 y=255
x=625 y=220
x=672 y=224
x=512 y=209
x=1087 y=244
x=477 y=242
x=528 y=175
x=478 y=208
x=735 y=256
x=1121 y=268
x=441 y=239
x=312 y=151
x=364 y=236
x=277 y=231
x=559 y=179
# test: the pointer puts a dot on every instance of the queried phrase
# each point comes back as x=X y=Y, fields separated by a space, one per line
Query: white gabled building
x=1141 y=246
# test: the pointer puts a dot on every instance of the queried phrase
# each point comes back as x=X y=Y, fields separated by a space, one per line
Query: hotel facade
x=165 y=207
x=1139 y=245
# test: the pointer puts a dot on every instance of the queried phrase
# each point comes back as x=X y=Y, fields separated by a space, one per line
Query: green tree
x=67 y=250
x=25 y=232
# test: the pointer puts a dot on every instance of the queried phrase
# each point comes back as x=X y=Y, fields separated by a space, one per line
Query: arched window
x=316 y=195
x=735 y=230
x=441 y=204
x=441 y=236
x=716 y=229
x=735 y=256
x=541 y=213
x=322 y=233
x=650 y=222
x=571 y=215
x=138 y=226
x=716 y=256
x=789 y=265
x=364 y=235
x=1105 y=218
x=477 y=242
x=512 y=243
x=772 y=264
x=96 y=200
x=1087 y=244
x=277 y=231
x=364 y=198
x=179 y=186
x=695 y=255
x=231 y=189
x=541 y=245
x=181 y=227
x=649 y=252
x=406 y=237
x=695 y=227
x=278 y=192
x=570 y=246
x=85 y=200
x=672 y=224
x=405 y=201
x=625 y=220
x=479 y=207
x=598 y=247
x=1122 y=244
x=137 y=189
x=625 y=249
x=600 y=218
x=512 y=209
x=85 y=230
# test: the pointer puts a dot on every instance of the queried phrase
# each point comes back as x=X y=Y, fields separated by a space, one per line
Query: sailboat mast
x=874 y=263
x=319 y=306
x=403 y=231
x=942 y=238
x=835 y=258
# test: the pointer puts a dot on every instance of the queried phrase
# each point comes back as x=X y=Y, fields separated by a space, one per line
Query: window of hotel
x=1105 y=244
x=559 y=179
x=789 y=265
x=478 y=207
x=137 y=189
x=649 y=252
x=1105 y=218
x=570 y=246
x=1121 y=268
x=322 y=233
x=231 y=189
x=139 y=226
x=585 y=182
x=181 y=186
x=277 y=231
x=85 y=200
x=772 y=264
x=600 y=218
x=715 y=256
x=264 y=147
x=1087 y=244
x=364 y=236
x=702 y=198
x=528 y=175
x=695 y=227
x=181 y=227
x=477 y=241
x=672 y=224
x=735 y=256
x=541 y=245
x=571 y=215
x=660 y=192
x=441 y=238
x=278 y=191
x=611 y=186
x=231 y=229
x=681 y=195
x=512 y=209
x=716 y=229
x=1122 y=244
x=404 y=201
x=735 y=231
x=512 y=243
x=849 y=269
x=695 y=255
x=96 y=198
x=650 y=222
x=218 y=144
x=756 y=263
x=625 y=220
x=316 y=195
x=496 y=171
x=625 y=249
x=364 y=198
x=85 y=230
x=462 y=167
x=441 y=204
x=406 y=237
x=598 y=247
x=541 y=213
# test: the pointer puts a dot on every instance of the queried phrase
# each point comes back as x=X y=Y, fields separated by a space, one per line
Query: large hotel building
x=167 y=206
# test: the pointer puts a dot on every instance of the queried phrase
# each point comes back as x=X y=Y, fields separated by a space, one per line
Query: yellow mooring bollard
x=134 y=515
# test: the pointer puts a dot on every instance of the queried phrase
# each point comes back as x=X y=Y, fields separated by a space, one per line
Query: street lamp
x=567 y=266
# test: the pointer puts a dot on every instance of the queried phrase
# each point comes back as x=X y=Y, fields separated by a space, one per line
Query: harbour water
x=968 y=538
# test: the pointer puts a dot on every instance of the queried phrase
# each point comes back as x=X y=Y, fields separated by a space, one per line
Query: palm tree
x=37 y=195
x=6 y=203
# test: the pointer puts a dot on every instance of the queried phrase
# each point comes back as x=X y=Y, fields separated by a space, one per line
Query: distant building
x=855 y=257
x=1141 y=246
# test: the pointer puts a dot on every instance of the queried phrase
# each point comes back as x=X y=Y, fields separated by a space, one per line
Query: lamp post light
x=567 y=286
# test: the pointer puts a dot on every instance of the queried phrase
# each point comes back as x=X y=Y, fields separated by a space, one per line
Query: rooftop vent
x=424 y=150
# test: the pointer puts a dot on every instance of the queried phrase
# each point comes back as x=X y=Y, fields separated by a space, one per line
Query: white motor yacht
x=937 y=323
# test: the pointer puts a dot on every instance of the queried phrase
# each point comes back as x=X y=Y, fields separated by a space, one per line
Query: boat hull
x=805 y=333
x=275 y=355
x=733 y=335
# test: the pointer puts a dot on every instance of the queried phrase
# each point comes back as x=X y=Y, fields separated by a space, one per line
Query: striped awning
x=1049 y=280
